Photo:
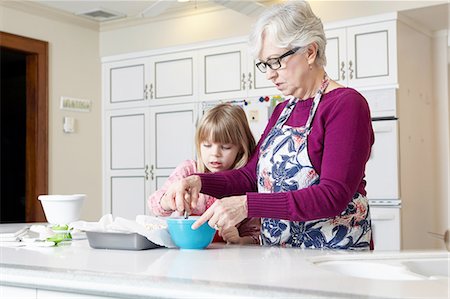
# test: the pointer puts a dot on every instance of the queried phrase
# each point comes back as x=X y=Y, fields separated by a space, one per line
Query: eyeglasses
x=275 y=63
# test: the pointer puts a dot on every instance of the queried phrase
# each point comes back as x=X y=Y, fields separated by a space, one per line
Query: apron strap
x=291 y=104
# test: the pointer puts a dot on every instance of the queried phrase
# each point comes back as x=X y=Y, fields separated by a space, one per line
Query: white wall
x=74 y=70
x=177 y=31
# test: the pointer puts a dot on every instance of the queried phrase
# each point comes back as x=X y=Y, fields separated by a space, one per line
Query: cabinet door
x=335 y=53
x=172 y=139
x=125 y=83
x=223 y=72
x=382 y=167
x=126 y=160
x=385 y=227
x=175 y=78
x=371 y=52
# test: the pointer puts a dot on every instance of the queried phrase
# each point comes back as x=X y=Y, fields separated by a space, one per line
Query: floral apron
x=284 y=166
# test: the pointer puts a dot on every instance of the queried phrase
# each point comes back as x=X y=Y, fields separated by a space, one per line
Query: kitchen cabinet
x=174 y=78
x=150 y=80
x=127 y=158
x=144 y=145
x=363 y=56
x=125 y=83
x=386 y=228
x=229 y=72
x=172 y=135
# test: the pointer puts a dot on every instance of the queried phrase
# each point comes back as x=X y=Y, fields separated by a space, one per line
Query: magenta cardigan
x=338 y=146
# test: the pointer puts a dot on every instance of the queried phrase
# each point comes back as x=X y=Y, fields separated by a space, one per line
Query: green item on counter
x=60 y=227
x=60 y=237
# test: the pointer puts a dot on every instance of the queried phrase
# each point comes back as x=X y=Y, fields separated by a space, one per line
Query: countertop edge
x=136 y=286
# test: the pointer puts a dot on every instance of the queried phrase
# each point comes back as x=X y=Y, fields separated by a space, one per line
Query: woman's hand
x=230 y=235
x=182 y=195
x=224 y=213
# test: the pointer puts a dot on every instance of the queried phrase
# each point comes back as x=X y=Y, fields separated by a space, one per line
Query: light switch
x=68 y=124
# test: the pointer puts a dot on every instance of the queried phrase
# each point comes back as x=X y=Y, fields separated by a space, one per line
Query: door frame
x=36 y=175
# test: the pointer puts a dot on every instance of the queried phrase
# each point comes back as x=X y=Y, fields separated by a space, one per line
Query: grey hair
x=289 y=24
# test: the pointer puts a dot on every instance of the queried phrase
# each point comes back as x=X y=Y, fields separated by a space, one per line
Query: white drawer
x=385 y=227
x=382 y=168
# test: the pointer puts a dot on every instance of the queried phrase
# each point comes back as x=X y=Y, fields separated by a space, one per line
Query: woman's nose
x=270 y=74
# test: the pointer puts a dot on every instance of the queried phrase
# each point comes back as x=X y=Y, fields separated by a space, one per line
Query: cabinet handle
x=350 y=64
x=151 y=90
x=343 y=70
x=145 y=92
x=249 y=80
x=152 y=176
x=243 y=81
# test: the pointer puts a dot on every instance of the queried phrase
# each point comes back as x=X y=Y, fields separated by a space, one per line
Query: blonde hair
x=289 y=25
x=226 y=124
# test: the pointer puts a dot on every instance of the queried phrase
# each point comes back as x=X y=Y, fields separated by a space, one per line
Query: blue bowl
x=185 y=237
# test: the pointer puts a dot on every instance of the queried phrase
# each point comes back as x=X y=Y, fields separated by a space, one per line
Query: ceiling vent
x=101 y=14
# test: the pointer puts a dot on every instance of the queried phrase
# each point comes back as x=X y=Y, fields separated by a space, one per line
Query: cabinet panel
x=372 y=54
x=174 y=78
x=335 y=52
x=172 y=139
x=124 y=83
x=382 y=167
x=127 y=83
x=174 y=135
x=128 y=196
x=222 y=72
x=385 y=227
x=362 y=55
x=127 y=141
x=126 y=163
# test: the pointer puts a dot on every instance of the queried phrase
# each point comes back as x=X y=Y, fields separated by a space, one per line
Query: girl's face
x=218 y=156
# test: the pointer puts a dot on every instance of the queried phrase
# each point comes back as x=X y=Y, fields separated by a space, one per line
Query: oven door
x=382 y=168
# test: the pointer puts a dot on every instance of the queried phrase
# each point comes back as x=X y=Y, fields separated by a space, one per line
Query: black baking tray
x=124 y=241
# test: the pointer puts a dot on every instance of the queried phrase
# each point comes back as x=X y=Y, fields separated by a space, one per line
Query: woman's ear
x=311 y=53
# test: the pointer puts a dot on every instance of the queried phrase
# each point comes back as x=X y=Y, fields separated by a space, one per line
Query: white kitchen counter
x=220 y=271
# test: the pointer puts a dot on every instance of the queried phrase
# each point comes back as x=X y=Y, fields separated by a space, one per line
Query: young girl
x=224 y=141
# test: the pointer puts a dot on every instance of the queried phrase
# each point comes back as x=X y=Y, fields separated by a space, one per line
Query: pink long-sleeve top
x=338 y=146
x=248 y=227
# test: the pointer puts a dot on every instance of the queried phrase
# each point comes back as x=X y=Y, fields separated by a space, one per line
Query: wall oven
x=382 y=171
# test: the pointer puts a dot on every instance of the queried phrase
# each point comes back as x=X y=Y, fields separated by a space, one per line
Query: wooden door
x=36 y=172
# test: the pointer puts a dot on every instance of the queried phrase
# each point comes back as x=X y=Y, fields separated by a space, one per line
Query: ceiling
x=123 y=13
x=126 y=11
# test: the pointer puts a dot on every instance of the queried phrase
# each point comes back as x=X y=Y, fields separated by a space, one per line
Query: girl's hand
x=182 y=195
x=224 y=213
x=231 y=235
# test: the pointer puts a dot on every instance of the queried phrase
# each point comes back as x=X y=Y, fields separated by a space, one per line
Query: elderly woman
x=306 y=177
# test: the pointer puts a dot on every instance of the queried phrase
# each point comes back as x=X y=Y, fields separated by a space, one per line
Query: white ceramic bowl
x=62 y=209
